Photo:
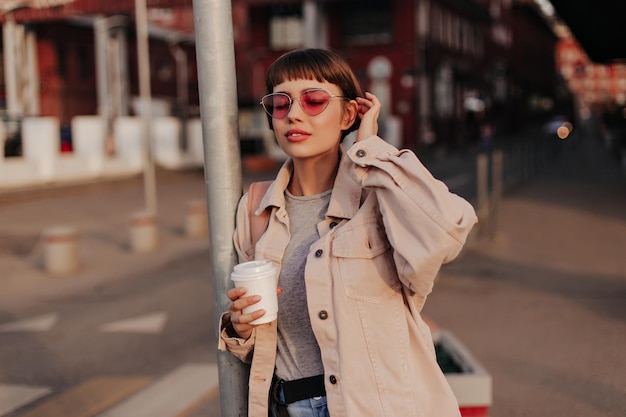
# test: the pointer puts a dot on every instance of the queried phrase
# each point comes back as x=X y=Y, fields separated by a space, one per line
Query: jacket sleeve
x=241 y=236
x=425 y=223
x=240 y=348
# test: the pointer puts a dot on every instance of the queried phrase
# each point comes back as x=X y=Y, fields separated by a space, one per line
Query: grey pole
x=482 y=194
x=143 y=62
x=222 y=171
x=10 y=66
x=310 y=10
x=102 y=76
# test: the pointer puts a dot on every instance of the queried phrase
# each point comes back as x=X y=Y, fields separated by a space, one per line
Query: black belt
x=299 y=389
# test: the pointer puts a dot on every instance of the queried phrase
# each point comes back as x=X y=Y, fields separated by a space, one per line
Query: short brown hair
x=315 y=64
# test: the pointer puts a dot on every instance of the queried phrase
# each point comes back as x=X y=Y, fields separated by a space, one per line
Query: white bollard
x=61 y=250
x=144 y=236
x=196 y=223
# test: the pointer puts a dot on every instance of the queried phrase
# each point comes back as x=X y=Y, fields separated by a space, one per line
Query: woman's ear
x=350 y=114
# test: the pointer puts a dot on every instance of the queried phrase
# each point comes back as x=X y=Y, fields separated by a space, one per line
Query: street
x=145 y=327
x=125 y=324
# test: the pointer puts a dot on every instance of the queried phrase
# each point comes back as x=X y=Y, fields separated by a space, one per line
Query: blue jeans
x=311 y=407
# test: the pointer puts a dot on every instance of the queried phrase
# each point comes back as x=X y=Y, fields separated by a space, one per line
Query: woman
x=358 y=237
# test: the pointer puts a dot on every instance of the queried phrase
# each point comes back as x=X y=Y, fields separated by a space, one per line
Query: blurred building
x=64 y=58
x=440 y=67
x=593 y=83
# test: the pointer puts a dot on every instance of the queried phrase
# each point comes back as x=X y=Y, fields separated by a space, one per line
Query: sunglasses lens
x=314 y=102
x=277 y=105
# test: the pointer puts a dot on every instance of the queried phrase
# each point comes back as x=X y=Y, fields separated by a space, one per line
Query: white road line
x=148 y=324
x=34 y=324
x=171 y=394
x=13 y=397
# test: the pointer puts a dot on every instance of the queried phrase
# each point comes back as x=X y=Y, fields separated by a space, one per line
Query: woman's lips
x=296 y=135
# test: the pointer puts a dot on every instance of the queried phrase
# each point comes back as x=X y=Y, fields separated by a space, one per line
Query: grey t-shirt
x=298 y=354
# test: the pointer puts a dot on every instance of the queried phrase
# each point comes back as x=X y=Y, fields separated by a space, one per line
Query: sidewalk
x=542 y=305
x=101 y=212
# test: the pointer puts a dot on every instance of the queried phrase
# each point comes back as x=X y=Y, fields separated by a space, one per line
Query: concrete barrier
x=88 y=135
x=166 y=133
x=41 y=141
x=42 y=162
x=168 y=153
x=195 y=146
x=196 y=221
x=127 y=131
x=18 y=172
x=144 y=235
x=61 y=250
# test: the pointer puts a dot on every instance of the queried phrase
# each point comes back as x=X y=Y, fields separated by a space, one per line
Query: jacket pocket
x=365 y=261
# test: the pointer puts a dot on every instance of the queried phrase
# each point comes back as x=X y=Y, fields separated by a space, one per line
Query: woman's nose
x=296 y=109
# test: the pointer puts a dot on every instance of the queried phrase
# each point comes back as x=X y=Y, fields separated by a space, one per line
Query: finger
x=244 y=302
x=371 y=96
x=372 y=99
x=235 y=293
x=248 y=317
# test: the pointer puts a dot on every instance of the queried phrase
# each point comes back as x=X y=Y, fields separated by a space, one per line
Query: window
x=286 y=26
x=84 y=63
x=61 y=60
x=366 y=21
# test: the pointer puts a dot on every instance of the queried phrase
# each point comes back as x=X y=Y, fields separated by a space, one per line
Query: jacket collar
x=344 y=201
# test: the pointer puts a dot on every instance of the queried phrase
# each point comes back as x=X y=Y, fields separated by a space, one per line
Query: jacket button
x=323 y=314
x=361 y=153
x=332 y=379
x=318 y=253
x=333 y=224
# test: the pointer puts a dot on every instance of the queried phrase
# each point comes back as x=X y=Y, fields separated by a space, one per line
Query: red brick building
x=65 y=54
x=436 y=56
x=426 y=60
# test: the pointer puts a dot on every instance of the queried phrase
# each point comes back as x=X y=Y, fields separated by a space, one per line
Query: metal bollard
x=61 y=250
x=144 y=236
x=196 y=221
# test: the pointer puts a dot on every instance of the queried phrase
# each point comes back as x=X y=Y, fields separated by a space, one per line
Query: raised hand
x=369 y=110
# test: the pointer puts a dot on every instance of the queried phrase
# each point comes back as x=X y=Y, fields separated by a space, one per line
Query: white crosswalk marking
x=13 y=397
x=177 y=394
x=170 y=395
x=148 y=324
x=34 y=324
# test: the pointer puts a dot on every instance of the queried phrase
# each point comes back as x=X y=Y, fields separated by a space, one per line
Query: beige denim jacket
x=389 y=227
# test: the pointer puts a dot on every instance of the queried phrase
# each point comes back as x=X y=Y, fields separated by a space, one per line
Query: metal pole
x=182 y=96
x=482 y=194
x=33 y=107
x=222 y=171
x=496 y=192
x=143 y=63
x=100 y=40
x=311 y=24
x=10 y=68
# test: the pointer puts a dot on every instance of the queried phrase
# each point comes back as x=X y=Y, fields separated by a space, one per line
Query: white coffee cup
x=259 y=278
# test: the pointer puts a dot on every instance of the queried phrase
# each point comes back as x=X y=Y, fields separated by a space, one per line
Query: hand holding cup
x=254 y=300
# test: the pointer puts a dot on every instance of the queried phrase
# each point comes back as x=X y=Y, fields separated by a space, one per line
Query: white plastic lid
x=253 y=269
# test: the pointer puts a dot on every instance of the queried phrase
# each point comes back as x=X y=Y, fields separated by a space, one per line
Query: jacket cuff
x=229 y=340
x=365 y=151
